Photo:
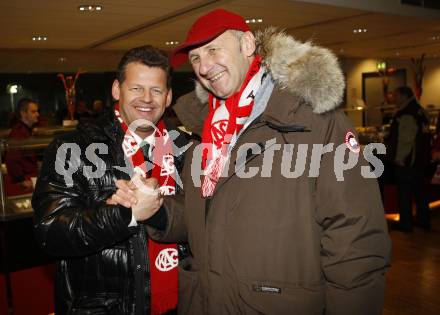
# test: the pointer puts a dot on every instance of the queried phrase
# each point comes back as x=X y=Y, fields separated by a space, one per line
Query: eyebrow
x=206 y=47
x=190 y=55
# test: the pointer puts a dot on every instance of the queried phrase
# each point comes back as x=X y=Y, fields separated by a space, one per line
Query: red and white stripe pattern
x=226 y=118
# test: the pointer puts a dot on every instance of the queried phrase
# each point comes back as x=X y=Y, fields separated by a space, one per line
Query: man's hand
x=124 y=196
x=139 y=194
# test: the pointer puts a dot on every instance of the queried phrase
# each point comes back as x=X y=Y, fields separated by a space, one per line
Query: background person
x=97 y=108
x=409 y=149
x=81 y=110
x=22 y=164
x=107 y=263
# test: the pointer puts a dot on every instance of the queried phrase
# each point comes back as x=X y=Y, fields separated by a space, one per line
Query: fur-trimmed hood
x=310 y=72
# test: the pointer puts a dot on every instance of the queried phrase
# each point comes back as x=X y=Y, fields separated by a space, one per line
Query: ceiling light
x=39 y=38
x=435 y=37
x=397 y=53
x=359 y=30
x=254 y=20
x=62 y=59
x=172 y=43
x=89 y=8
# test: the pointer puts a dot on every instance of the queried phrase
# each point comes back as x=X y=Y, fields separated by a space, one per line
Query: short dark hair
x=146 y=55
x=23 y=104
x=405 y=91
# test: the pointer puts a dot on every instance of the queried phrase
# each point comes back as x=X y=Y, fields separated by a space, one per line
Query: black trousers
x=409 y=182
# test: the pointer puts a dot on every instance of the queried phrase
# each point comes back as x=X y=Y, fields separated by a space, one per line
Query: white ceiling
x=96 y=41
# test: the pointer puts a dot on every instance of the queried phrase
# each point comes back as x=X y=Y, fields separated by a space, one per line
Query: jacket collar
x=107 y=127
x=102 y=128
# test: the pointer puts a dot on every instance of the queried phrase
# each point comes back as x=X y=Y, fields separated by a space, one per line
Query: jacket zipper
x=140 y=264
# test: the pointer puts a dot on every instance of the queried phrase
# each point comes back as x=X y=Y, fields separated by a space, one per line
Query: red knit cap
x=206 y=28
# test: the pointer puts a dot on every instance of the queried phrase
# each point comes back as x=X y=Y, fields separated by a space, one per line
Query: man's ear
x=247 y=43
x=116 y=90
x=169 y=97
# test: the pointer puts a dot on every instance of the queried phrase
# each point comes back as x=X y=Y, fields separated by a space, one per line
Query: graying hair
x=237 y=34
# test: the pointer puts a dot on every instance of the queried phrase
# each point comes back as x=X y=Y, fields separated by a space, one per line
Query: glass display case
x=15 y=201
x=18 y=247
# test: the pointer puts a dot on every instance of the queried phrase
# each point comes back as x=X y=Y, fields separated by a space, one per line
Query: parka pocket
x=268 y=297
x=190 y=300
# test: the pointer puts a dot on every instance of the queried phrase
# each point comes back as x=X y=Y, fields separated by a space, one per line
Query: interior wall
x=354 y=67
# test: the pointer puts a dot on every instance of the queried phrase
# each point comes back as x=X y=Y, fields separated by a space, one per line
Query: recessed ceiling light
x=254 y=20
x=39 y=38
x=435 y=37
x=397 y=53
x=359 y=30
x=62 y=59
x=172 y=43
x=89 y=8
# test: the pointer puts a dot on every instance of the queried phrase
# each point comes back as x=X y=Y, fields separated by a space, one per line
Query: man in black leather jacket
x=103 y=248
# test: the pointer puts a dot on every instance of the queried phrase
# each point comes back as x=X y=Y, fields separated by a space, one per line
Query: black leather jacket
x=103 y=266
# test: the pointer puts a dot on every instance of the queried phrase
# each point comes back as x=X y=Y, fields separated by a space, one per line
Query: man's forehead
x=217 y=40
x=196 y=50
x=136 y=67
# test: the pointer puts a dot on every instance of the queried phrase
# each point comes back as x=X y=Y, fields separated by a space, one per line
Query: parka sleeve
x=67 y=221
x=355 y=246
x=175 y=230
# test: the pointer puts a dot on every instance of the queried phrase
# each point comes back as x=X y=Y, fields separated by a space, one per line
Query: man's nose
x=205 y=65
x=146 y=97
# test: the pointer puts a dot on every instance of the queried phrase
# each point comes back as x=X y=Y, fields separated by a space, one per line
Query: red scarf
x=163 y=258
x=226 y=118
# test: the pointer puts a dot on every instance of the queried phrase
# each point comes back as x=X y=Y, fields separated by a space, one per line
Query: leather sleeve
x=67 y=221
